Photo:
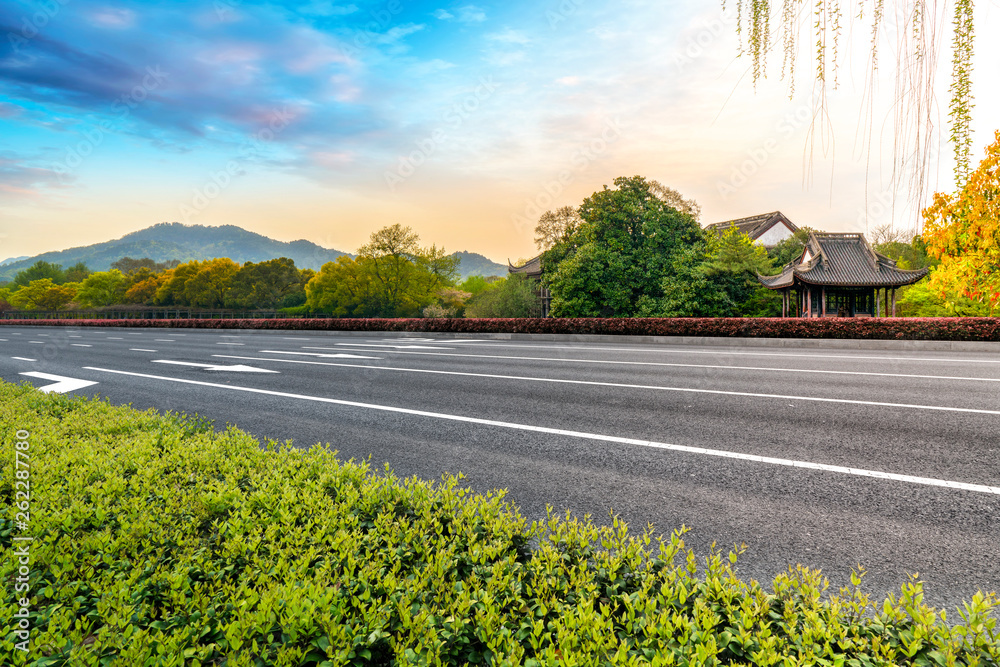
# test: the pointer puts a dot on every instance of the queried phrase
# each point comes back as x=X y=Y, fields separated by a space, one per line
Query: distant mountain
x=172 y=240
x=474 y=264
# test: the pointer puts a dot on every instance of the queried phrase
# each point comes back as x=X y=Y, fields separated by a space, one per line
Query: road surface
x=826 y=457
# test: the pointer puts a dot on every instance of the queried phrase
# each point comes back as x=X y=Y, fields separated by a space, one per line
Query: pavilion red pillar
x=809 y=302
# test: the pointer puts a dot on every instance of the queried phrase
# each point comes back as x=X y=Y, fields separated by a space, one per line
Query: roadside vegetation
x=158 y=541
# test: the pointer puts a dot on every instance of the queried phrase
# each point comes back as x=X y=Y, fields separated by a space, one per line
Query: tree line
x=392 y=276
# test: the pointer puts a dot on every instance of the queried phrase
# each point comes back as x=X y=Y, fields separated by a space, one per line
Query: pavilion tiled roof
x=843 y=260
x=755 y=225
x=533 y=267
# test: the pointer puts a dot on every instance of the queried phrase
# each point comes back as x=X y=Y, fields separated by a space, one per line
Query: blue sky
x=329 y=120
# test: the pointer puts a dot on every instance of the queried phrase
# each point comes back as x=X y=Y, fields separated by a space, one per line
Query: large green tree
x=619 y=254
x=41 y=270
x=42 y=294
x=272 y=284
x=104 y=288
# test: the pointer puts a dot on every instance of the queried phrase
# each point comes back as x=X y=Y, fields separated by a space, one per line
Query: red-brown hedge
x=911 y=328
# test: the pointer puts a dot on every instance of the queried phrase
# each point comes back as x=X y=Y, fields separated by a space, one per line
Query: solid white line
x=24 y=359
x=588 y=436
x=626 y=386
x=847 y=356
x=657 y=363
x=80 y=345
x=400 y=347
x=139 y=349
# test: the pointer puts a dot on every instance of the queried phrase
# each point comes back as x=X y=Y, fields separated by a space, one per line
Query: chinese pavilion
x=840 y=275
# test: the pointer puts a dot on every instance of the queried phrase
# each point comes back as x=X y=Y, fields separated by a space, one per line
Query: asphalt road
x=825 y=457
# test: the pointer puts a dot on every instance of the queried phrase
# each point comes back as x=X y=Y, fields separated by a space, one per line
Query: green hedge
x=161 y=542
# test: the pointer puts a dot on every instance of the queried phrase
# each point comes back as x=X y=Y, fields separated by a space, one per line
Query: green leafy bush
x=161 y=542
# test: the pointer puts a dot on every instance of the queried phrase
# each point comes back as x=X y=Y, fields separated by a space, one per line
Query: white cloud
x=431 y=67
x=443 y=14
x=509 y=36
x=568 y=81
x=327 y=8
x=471 y=14
x=111 y=17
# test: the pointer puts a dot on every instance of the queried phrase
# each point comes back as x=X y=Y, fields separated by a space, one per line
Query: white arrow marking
x=214 y=367
x=62 y=384
x=318 y=354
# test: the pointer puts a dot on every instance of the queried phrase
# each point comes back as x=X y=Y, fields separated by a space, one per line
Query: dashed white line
x=165 y=340
x=230 y=343
x=139 y=349
x=808 y=465
x=80 y=345
x=116 y=338
x=24 y=359
x=614 y=362
x=622 y=385
x=36 y=342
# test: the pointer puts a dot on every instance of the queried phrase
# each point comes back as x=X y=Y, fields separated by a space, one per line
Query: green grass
x=161 y=542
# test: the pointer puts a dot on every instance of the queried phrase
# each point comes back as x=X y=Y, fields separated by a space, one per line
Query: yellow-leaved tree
x=963 y=231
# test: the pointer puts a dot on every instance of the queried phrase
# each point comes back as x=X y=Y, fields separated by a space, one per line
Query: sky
x=329 y=120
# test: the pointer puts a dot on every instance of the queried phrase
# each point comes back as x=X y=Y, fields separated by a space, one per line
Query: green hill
x=172 y=240
x=474 y=264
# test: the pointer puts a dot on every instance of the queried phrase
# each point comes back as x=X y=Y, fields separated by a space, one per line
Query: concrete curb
x=695 y=341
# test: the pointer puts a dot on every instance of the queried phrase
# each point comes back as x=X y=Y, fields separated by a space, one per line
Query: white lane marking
x=847 y=356
x=132 y=333
x=859 y=472
x=80 y=345
x=17 y=334
x=340 y=355
x=41 y=334
x=36 y=342
x=165 y=340
x=306 y=339
x=398 y=347
x=623 y=385
x=227 y=336
x=230 y=343
x=215 y=367
x=139 y=349
x=75 y=336
x=116 y=339
x=62 y=384
x=3 y=339
x=24 y=359
x=663 y=364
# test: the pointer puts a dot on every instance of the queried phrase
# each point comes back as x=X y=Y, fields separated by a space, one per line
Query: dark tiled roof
x=755 y=225
x=843 y=260
x=533 y=267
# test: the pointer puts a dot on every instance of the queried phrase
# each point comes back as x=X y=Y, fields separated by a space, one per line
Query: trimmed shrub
x=158 y=541
x=896 y=328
